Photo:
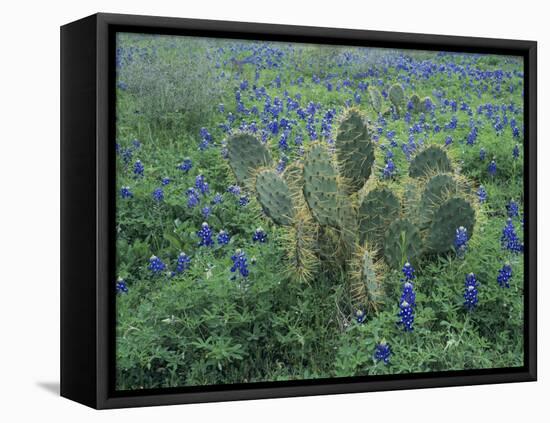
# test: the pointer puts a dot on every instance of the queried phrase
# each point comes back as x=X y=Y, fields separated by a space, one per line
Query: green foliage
x=402 y=243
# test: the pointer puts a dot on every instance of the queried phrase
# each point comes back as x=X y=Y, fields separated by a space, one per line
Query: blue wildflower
x=360 y=316
x=205 y=234
x=389 y=169
x=515 y=152
x=201 y=184
x=509 y=239
x=259 y=236
x=470 y=292
x=407 y=302
x=183 y=263
x=156 y=265
x=206 y=211
x=158 y=195
x=125 y=192
x=240 y=263
x=382 y=352
x=512 y=209
x=243 y=201
x=448 y=141
x=192 y=197
x=186 y=165
x=482 y=154
x=165 y=181
x=492 y=168
x=504 y=275
x=218 y=198
x=408 y=271
x=461 y=241
x=234 y=189
x=481 y=194
x=223 y=238
x=138 y=168
x=121 y=287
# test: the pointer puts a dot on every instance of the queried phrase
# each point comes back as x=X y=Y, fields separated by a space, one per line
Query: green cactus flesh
x=355 y=151
x=274 y=196
x=321 y=187
x=375 y=99
x=379 y=208
x=451 y=215
x=437 y=190
x=246 y=154
x=432 y=159
x=402 y=243
x=366 y=287
x=397 y=96
x=416 y=103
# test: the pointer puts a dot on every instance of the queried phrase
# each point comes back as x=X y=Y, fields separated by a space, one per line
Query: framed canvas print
x=254 y=211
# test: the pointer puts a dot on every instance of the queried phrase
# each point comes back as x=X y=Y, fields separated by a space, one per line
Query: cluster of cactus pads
x=398 y=101
x=338 y=218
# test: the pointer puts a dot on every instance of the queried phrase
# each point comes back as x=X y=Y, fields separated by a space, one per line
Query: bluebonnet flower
x=382 y=352
x=240 y=263
x=481 y=194
x=138 y=168
x=223 y=238
x=515 y=132
x=512 y=208
x=504 y=275
x=121 y=287
x=492 y=168
x=259 y=236
x=515 y=151
x=136 y=143
x=361 y=316
x=125 y=192
x=470 y=292
x=205 y=139
x=389 y=169
x=234 y=189
x=183 y=263
x=482 y=154
x=461 y=241
x=201 y=184
x=509 y=239
x=192 y=197
x=158 y=195
x=243 y=201
x=448 y=141
x=221 y=108
x=205 y=234
x=472 y=136
x=218 y=198
x=407 y=302
x=206 y=211
x=165 y=181
x=156 y=265
x=186 y=165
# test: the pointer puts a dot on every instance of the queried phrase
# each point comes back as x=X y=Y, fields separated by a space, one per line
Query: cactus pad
x=402 y=243
x=397 y=96
x=379 y=208
x=354 y=150
x=366 y=286
x=416 y=103
x=375 y=99
x=246 y=154
x=274 y=196
x=432 y=159
x=321 y=187
x=452 y=214
x=437 y=190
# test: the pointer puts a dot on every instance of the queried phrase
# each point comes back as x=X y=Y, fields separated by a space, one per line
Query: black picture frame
x=87 y=212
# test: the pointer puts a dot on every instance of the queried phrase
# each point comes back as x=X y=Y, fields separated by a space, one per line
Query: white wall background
x=29 y=224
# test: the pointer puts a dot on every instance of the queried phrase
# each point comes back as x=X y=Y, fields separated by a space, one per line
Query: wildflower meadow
x=289 y=211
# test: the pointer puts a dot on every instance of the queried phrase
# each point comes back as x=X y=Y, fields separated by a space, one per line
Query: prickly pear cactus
x=437 y=189
x=321 y=186
x=452 y=214
x=246 y=154
x=430 y=160
x=300 y=248
x=416 y=103
x=377 y=210
x=402 y=243
x=397 y=96
x=274 y=196
x=375 y=99
x=366 y=290
x=354 y=150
